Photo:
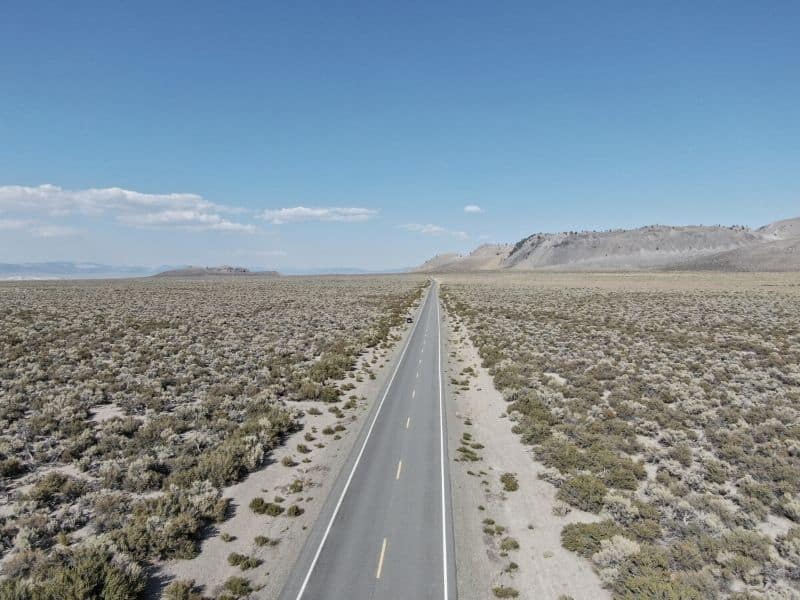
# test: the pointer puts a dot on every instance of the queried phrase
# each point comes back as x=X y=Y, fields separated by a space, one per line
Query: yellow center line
x=380 y=560
x=399 y=468
x=408 y=422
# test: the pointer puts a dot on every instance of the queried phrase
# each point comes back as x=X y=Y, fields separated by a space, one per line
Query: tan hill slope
x=773 y=247
x=778 y=255
x=488 y=257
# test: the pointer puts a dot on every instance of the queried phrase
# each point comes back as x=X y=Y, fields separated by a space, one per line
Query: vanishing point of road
x=385 y=531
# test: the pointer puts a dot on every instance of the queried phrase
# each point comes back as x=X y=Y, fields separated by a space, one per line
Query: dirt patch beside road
x=284 y=536
x=490 y=521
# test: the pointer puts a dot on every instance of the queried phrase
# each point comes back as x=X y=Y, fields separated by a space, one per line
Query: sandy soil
x=105 y=412
x=210 y=568
x=545 y=570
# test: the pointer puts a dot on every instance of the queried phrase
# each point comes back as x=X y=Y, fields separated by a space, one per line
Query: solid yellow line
x=399 y=468
x=408 y=422
x=380 y=560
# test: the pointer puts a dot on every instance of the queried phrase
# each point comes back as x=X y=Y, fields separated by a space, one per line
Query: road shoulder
x=489 y=520
x=319 y=476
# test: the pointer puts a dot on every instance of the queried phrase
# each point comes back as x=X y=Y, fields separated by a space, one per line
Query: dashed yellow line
x=380 y=560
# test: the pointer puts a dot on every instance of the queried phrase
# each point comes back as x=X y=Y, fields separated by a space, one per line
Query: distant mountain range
x=85 y=270
x=74 y=270
x=774 y=247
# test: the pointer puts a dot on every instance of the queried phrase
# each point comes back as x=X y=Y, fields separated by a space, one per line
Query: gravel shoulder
x=544 y=570
x=210 y=569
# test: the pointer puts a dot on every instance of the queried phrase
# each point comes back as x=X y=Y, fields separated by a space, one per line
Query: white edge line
x=358 y=458
x=441 y=432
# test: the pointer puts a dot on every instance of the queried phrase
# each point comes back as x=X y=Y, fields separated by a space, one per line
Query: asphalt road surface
x=385 y=531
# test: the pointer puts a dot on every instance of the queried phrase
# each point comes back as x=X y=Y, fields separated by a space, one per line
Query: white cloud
x=261 y=253
x=185 y=211
x=186 y=219
x=50 y=231
x=295 y=214
x=14 y=224
x=430 y=229
x=472 y=208
x=36 y=228
x=56 y=201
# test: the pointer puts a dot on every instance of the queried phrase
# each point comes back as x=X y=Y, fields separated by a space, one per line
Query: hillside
x=216 y=271
x=774 y=247
x=488 y=257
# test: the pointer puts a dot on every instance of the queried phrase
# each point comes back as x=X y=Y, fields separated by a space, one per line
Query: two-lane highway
x=386 y=529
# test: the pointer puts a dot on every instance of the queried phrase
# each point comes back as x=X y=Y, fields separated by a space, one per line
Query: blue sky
x=152 y=133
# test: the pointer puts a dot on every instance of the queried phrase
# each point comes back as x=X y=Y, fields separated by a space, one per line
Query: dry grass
x=669 y=404
x=127 y=406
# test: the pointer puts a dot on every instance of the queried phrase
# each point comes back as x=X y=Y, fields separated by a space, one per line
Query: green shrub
x=294 y=511
x=243 y=561
x=509 y=481
x=261 y=540
x=182 y=590
x=90 y=572
x=502 y=591
x=237 y=586
x=585 y=538
x=564 y=456
x=170 y=526
x=260 y=506
x=509 y=544
x=229 y=462
x=333 y=365
x=12 y=467
x=56 y=488
x=651 y=587
x=686 y=555
x=646 y=529
x=583 y=491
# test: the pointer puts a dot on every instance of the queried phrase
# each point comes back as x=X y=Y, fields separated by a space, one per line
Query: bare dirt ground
x=210 y=569
x=544 y=569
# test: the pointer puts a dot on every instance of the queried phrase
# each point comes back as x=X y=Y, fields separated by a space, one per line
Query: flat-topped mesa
x=224 y=270
x=773 y=247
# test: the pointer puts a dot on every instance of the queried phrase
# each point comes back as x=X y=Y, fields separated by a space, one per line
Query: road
x=385 y=531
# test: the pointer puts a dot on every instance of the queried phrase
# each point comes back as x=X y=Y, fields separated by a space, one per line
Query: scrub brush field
x=669 y=405
x=127 y=407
